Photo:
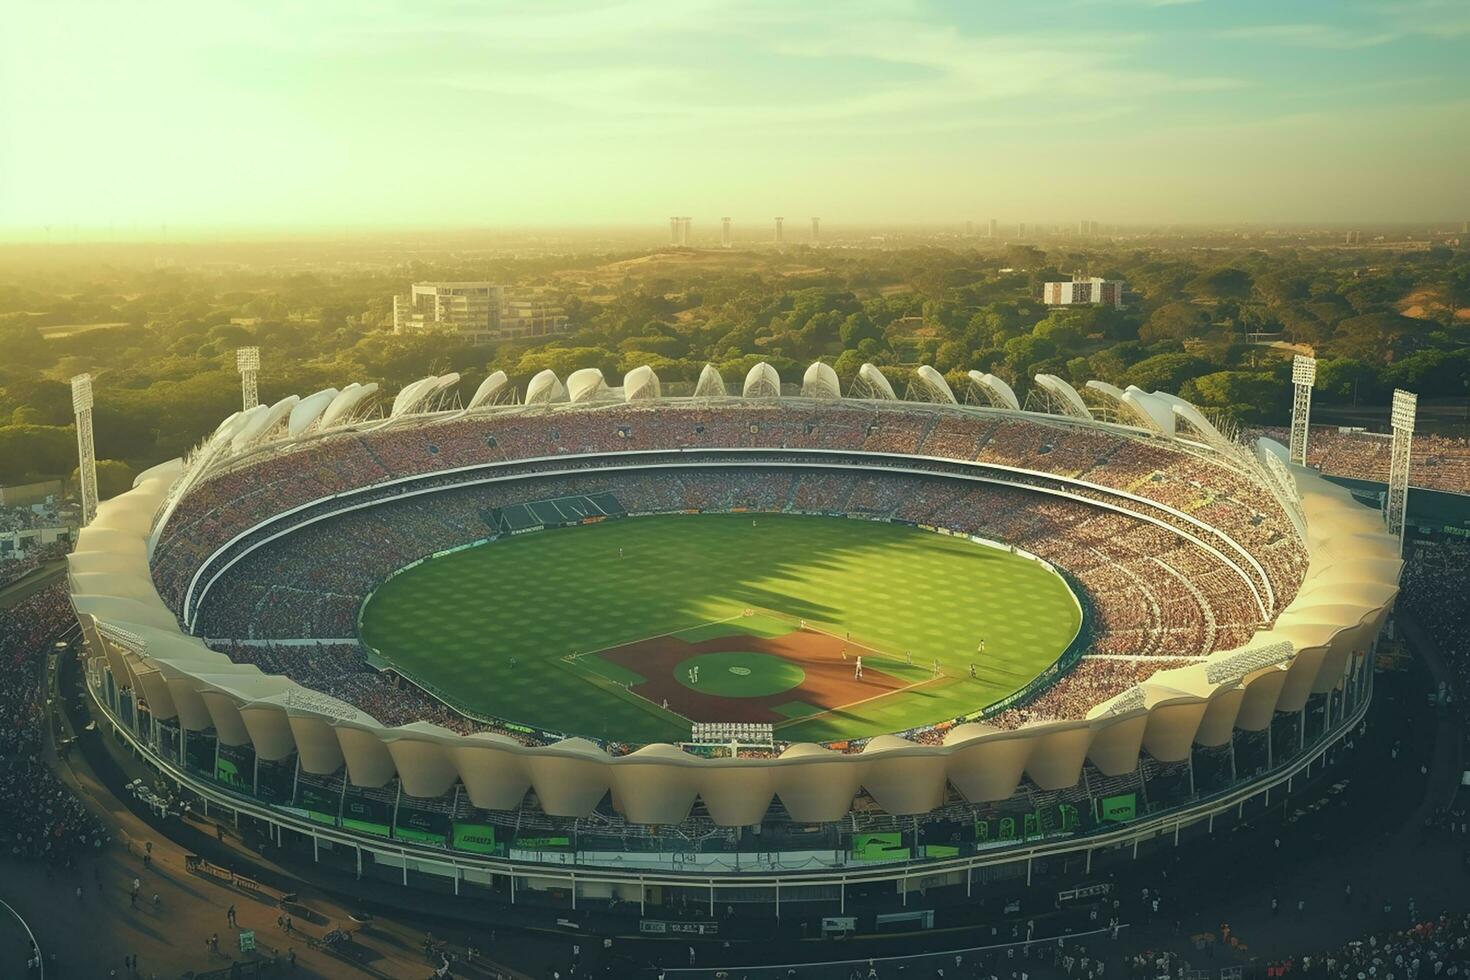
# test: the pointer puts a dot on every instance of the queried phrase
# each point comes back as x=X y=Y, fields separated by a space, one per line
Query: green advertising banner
x=1063 y=818
x=368 y=816
x=542 y=843
x=421 y=826
x=226 y=772
x=320 y=805
x=879 y=847
x=1118 y=809
x=476 y=837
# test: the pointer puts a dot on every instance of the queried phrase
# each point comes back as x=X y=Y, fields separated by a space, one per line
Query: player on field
x=858 y=669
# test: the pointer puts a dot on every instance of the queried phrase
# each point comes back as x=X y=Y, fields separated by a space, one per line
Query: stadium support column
x=1405 y=407
x=81 y=403
x=1303 y=377
x=247 y=360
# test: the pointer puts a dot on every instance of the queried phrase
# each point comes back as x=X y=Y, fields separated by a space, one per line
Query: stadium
x=761 y=641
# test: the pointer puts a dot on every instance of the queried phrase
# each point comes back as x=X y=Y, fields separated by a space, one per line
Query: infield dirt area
x=827 y=678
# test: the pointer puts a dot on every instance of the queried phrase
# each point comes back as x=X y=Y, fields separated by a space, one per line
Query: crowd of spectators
x=239 y=497
x=1429 y=948
x=1436 y=462
x=39 y=817
x=1137 y=577
x=1140 y=579
x=14 y=569
x=1436 y=589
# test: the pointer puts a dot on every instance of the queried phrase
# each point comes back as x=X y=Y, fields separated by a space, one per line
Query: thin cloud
x=1311 y=36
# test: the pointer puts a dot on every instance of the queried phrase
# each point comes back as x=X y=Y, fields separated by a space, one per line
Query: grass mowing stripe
x=457 y=621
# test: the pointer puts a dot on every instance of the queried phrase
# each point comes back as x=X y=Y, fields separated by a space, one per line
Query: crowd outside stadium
x=39 y=817
x=1438 y=462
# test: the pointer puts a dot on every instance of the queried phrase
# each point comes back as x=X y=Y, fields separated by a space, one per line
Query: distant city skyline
x=524 y=114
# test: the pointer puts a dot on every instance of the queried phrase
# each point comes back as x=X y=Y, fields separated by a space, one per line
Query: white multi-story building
x=476 y=311
x=531 y=318
x=1084 y=291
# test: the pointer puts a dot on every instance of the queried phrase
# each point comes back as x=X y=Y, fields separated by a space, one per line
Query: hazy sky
x=438 y=113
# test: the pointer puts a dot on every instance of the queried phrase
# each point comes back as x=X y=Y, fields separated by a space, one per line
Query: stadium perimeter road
x=1369 y=836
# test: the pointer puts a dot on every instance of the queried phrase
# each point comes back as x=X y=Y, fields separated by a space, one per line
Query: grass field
x=457 y=622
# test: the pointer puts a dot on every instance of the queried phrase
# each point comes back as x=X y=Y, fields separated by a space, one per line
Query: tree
x=1175 y=321
x=1221 y=284
x=113 y=477
x=1166 y=372
x=1373 y=336
x=857 y=328
x=1344 y=379
x=36 y=450
x=1432 y=373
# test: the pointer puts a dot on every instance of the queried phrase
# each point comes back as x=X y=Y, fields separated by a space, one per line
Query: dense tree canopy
x=161 y=339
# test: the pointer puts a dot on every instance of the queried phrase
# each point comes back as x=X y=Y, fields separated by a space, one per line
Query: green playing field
x=493 y=626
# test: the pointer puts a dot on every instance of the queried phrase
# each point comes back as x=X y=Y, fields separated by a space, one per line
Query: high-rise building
x=1021 y=230
x=994 y=228
x=1082 y=227
x=969 y=229
x=478 y=312
x=724 y=232
x=1092 y=227
x=780 y=235
x=1084 y=291
x=676 y=228
x=816 y=228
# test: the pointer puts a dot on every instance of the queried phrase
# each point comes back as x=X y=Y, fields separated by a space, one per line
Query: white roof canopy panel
x=309 y=409
x=710 y=385
x=762 y=381
x=1066 y=396
x=347 y=403
x=489 y=388
x=997 y=392
x=878 y=385
x=585 y=385
x=820 y=381
x=545 y=388
x=641 y=384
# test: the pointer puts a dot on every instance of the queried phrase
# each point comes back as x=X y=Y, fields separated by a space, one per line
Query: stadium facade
x=1239 y=717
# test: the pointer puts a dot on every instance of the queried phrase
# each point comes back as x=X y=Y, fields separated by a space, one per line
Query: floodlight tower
x=816 y=229
x=1303 y=378
x=779 y=235
x=247 y=360
x=1405 y=407
x=81 y=403
x=724 y=233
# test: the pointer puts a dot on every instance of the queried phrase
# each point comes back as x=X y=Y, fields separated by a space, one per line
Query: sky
x=451 y=113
